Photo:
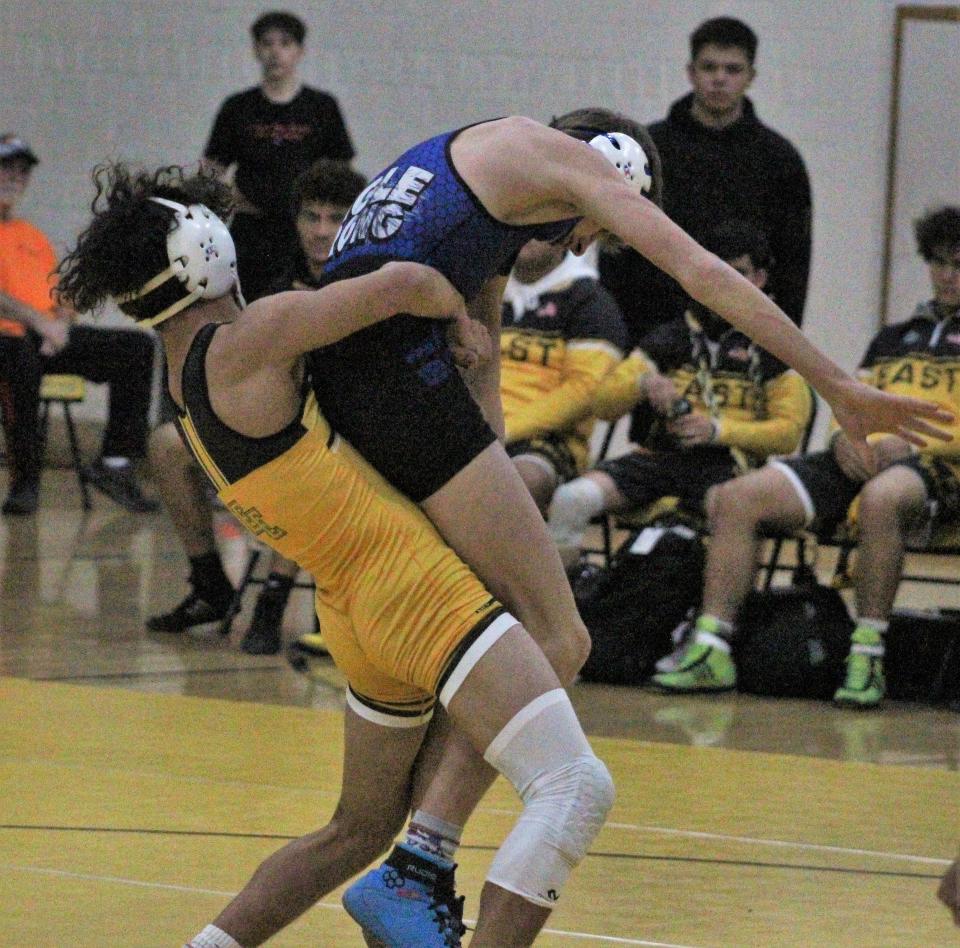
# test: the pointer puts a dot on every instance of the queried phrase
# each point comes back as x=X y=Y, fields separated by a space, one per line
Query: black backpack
x=792 y=641
x=923 y=657
x=631 y=606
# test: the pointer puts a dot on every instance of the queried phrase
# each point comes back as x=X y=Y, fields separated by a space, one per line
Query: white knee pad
x=573 y=506
x=566 y=790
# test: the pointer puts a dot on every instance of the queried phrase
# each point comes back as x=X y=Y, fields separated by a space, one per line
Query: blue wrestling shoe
x=408 y=902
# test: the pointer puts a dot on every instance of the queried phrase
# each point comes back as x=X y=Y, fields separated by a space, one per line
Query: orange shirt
x=26 y=266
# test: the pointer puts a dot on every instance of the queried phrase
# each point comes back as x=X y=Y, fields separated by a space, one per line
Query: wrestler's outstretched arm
x=539 y=174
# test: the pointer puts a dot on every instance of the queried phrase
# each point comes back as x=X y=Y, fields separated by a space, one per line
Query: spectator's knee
x=571 y=509
x=726 y=505
x=743 y=503
x=883 y=505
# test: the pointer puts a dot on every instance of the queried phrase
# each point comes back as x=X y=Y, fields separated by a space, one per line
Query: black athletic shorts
x=645 y=476
x=393 y=391
x=554 y=448
x=826 y=492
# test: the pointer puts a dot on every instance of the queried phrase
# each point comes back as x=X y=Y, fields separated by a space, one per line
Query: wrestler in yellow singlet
x=397 y=607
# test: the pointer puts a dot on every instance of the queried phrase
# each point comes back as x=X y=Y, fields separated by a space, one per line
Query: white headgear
x=202 y=258
x=626 y=155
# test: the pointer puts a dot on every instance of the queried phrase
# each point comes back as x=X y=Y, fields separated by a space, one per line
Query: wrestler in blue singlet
x=392 y=390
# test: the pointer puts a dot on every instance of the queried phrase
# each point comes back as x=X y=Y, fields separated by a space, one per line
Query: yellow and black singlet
x=397 y=606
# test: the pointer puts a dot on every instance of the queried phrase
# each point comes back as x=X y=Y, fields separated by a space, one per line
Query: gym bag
x=631 y=606
x=792 y=641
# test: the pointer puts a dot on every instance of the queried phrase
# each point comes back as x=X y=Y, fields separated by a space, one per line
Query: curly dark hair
x=125 y=244
x=936 y=231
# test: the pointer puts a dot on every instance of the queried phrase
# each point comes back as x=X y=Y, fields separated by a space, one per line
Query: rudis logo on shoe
x=379 y=211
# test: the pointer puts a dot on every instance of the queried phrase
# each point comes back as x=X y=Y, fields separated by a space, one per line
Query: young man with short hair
x=720 y=161
x=901 y=491
x=465 y=201
x=265 y=137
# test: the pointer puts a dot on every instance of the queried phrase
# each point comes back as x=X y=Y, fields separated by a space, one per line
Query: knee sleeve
x=566 y=790
x=573 y=506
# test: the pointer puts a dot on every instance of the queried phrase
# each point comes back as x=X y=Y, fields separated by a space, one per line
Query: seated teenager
x=707 y=405
x=902 y=491
x=562 y=333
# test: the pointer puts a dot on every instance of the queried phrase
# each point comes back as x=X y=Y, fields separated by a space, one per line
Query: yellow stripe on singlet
x=201 y=453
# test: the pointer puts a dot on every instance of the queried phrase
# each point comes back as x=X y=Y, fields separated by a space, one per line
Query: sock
x=713 y=631
x=115 y=463
x=868 y=635
x=213 y=937
x=208 y=578
x=573 y=506
x=433 y=835
x=278 y=585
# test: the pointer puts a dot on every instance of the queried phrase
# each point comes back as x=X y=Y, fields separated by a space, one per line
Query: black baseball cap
x=12 y=146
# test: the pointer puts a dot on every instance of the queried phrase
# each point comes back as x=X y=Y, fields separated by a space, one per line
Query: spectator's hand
x=890 y=449
x=53 y=335
x=949 y=891
x=857 y=464
x=659 y=391
x=691 y=430
x=469 y=341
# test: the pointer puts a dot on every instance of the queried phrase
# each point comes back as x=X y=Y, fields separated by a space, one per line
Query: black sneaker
x=264 y=636
x=22 y=498
x=194 y=610
x=120 y=485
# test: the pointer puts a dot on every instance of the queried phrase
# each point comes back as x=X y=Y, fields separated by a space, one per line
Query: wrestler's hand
x=469 y=342
x=861 y=409
x=949 y=890
x=424 y=291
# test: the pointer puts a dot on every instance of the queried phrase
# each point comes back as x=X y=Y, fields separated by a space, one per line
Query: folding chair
x=66 y=391
x=248 y=579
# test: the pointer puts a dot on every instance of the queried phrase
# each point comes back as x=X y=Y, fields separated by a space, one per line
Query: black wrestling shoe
x=264 y=635
x=194 y=610
x=120 y=485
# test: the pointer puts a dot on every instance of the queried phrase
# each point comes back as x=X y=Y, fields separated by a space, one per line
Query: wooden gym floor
x=143 y=777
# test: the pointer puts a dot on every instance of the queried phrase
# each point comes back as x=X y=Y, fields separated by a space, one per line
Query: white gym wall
x=87 y=80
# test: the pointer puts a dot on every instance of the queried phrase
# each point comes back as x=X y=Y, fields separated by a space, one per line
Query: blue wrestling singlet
x=392 y=390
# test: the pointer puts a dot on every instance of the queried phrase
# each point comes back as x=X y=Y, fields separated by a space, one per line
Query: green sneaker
x=704 y=667
x=865 y=685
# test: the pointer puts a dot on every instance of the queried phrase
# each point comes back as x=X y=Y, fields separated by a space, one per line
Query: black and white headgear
x=203 y=261
x=627 y=156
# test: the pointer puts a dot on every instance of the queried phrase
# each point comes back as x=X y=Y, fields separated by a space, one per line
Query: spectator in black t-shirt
x=268 y=135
